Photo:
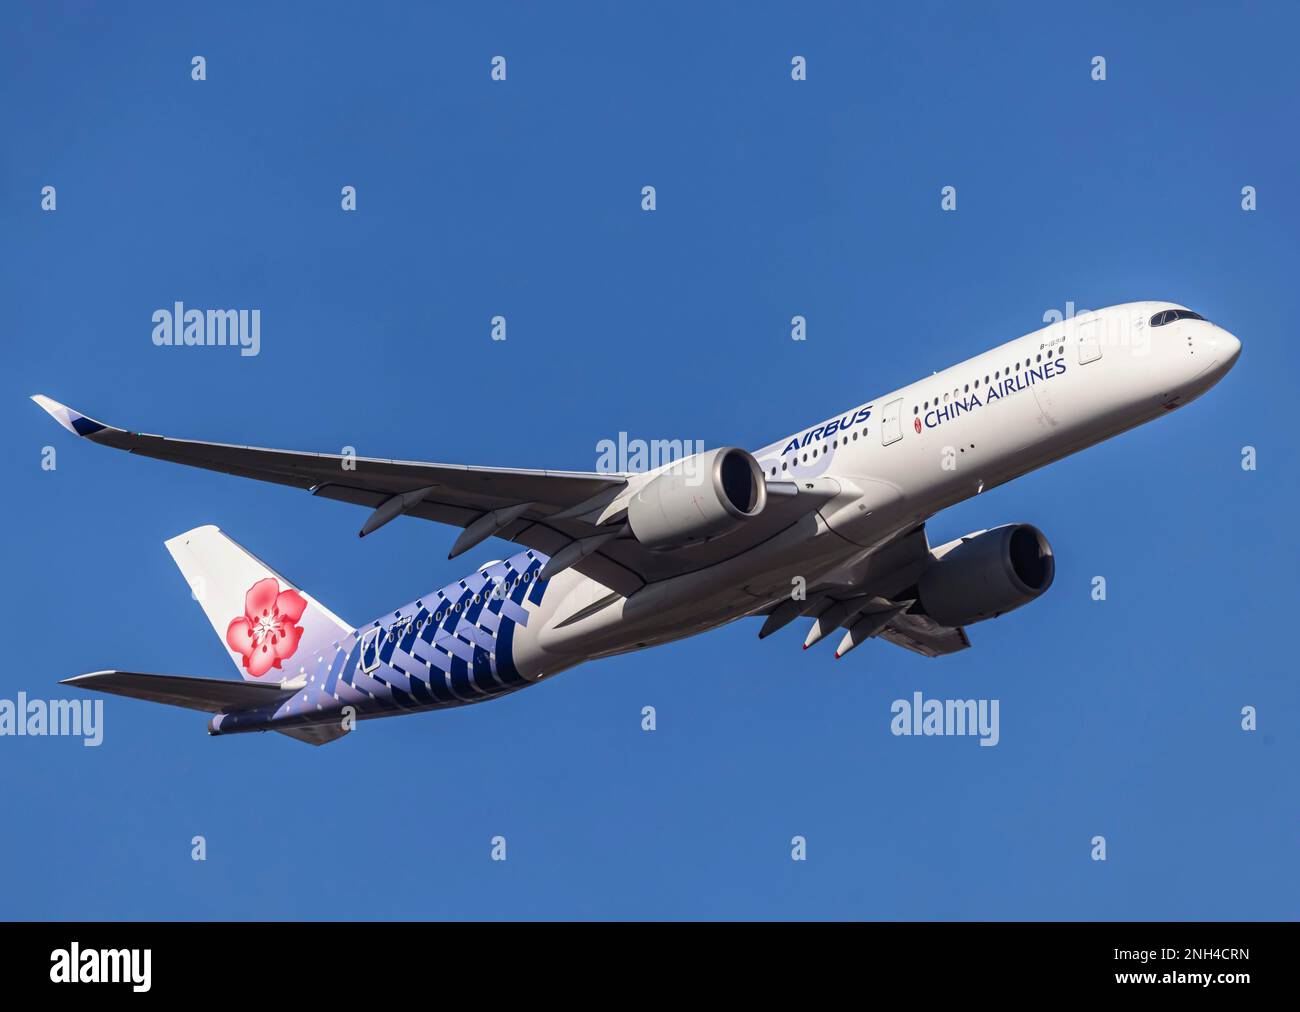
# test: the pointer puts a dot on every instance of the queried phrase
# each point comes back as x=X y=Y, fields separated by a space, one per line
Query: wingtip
x=74 y=421
x=89 y=676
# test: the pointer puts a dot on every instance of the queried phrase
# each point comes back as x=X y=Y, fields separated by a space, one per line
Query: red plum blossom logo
x=266 y=633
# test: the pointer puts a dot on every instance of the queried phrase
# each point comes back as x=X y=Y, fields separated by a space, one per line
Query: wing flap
x=925 y=636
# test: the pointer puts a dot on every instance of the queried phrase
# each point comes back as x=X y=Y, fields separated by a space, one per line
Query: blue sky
x=522 y=198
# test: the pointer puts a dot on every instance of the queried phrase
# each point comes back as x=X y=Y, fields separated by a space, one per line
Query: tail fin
x=267 y=624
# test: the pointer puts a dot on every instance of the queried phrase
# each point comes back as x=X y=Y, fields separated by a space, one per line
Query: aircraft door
x=1090 y=340
x=891 y=430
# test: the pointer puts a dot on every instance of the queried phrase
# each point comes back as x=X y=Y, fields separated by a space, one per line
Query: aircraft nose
x=1227 y=348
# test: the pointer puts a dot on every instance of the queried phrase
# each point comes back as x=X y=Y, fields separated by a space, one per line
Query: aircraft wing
x=548 y=511
x=876 y=600
x=452 y=494
x=925 y=636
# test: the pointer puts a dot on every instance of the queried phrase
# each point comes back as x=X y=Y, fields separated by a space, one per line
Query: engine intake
x=987 y=574
x=699 y=497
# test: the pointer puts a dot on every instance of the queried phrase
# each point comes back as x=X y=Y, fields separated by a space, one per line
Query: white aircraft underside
x=827 y=525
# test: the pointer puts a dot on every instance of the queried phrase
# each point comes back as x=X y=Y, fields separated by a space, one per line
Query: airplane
x=827 y=524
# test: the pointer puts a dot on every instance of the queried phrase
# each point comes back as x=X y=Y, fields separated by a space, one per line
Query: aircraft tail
x=269 y=627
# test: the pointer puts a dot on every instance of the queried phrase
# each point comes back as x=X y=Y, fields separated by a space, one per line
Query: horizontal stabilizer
x=210 y=695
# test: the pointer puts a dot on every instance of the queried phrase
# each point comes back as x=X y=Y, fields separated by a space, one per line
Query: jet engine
x=986 y=574
x=697 y=498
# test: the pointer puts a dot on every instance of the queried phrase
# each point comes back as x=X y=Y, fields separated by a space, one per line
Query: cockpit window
x=1170 y=315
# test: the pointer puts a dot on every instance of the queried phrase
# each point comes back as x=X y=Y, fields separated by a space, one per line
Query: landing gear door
x=891 y=430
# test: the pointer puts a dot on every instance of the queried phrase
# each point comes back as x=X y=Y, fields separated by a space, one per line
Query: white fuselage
x=891 y=463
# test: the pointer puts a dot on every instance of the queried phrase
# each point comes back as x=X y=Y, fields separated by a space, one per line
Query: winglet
x=74 y=421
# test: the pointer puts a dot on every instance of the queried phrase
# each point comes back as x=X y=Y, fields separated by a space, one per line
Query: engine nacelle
x=698 y=497
x=987 y=574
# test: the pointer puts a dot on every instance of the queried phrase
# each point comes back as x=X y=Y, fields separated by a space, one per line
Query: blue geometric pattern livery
x=449 y=648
